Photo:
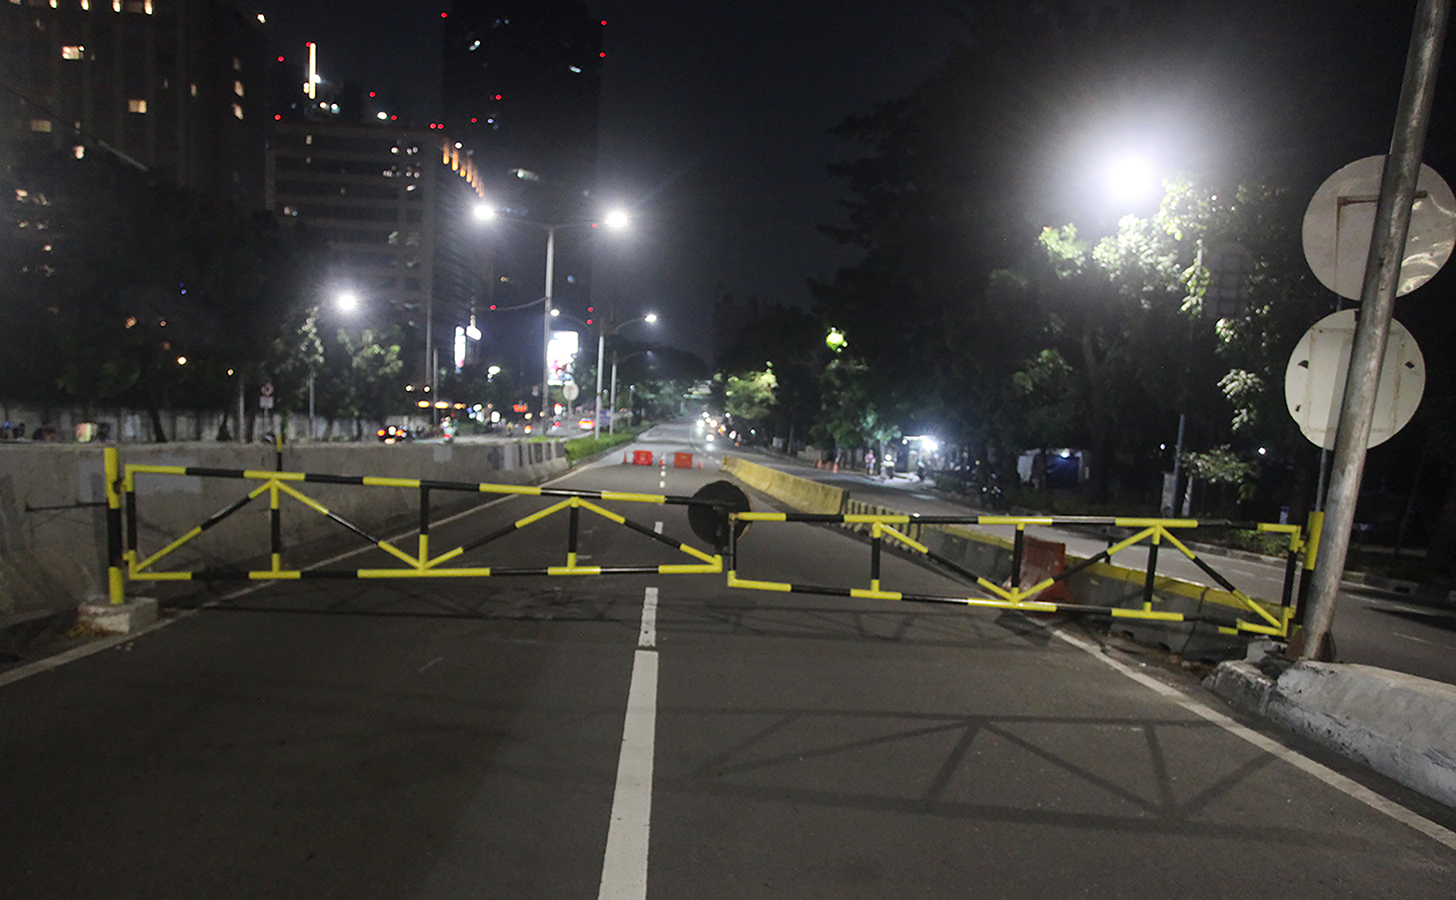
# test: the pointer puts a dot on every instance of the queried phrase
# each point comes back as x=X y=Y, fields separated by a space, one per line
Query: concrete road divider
x=1397 y=724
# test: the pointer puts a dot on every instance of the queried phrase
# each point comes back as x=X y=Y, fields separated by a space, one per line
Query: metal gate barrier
x=728 y=517
x=126 y=561
x=907 y=531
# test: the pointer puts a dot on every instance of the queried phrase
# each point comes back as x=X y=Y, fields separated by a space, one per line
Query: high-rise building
x=393 y=206
x=177 y=86
x=522 y=93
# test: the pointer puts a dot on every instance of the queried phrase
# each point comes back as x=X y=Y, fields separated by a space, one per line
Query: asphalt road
x=660 y=736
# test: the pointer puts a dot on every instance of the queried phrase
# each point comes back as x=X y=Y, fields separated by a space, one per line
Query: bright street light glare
x=484 y=212
x=616 y=219
x=347 y=301
x=650 y=318
x=1131 y=178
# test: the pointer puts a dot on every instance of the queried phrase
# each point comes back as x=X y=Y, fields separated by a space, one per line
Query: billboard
x=559 y=355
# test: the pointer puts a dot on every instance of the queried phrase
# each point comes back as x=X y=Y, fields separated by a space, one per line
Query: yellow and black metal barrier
x=126 y=560
x=906 y=531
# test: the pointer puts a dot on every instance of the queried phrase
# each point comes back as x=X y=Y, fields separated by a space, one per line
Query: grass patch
x=587 y=447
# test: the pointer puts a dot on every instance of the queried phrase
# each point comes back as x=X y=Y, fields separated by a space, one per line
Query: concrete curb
x=1397 y=724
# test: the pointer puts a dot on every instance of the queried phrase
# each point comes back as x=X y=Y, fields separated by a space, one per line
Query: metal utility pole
x=1377 y=303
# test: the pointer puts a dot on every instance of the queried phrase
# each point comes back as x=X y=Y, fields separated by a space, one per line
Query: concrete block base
x=1397 y=724
x=134 y=615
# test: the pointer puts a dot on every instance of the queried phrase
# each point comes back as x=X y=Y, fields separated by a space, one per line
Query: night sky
x=715 y=119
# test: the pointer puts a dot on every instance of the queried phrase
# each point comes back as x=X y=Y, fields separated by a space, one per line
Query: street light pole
x=597 y=403
x=546 y=326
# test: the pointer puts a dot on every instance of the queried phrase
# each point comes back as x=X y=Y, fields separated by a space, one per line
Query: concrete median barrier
x=1397 y=724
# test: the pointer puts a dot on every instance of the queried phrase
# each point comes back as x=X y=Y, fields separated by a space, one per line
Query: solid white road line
x=1334 y=779
x=624 y=867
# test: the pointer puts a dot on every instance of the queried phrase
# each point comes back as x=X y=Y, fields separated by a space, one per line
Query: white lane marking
x=1349 y=787
x=1411 y=637
x=624 y=865
x=647 y=637
x=435 y=661
x=657 y=527
x=662 y=484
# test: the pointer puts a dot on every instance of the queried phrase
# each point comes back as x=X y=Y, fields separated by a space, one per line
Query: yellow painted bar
x=161 y=576
x=1314 y=526
x=429 y=563
x=522 y=489
x=460 y=573
x=1260 y=629
x=1136 y=522
x=374 y=481
x=875 y=594
x=574 y=570
x=1249 y=602
x=475 y=572
x=389 y=548
x=688 y=569
x=167 y=549
x=735 y=581
x=115 y=583
x=1183 y=548
x=139 y=469
x=1019 y=521
x=604 y=513
x=997 y=589
x=694 y=551
x=906 y=540
x=634 y=498
x=1031 y=606
x=291 y=575
x=1277 y=527
x=537 y=516
x=760 y=517
x=273 y=476
x=1129 y=542
x=1022 y=593
x=277 y=562
x=1224 y=630
x=875 y=519
x=304 y=499
x=424 y=546
x=1147 y=614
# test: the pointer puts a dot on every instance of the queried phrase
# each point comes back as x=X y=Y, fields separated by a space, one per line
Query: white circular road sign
x=1341 y=218
x=1314 y=382
x=570 y=391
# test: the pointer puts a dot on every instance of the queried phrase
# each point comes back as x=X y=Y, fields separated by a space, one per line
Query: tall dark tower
x=522 y=92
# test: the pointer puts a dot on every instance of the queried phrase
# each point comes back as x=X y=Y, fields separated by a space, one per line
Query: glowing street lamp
x=615 y=220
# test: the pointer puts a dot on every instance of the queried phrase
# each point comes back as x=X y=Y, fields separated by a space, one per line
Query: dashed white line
x=657 y=527
x=624 y=867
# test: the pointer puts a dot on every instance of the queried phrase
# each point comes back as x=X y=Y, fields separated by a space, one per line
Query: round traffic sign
x=1314 y=381
x=1341 y=219
x=570 y=390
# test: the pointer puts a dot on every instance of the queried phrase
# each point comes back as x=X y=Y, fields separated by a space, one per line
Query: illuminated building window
x=73 y=51
x=40 y=125
x=116 y=5
x=193 y=89
x=237 y=111
x=85 y=4
x=79 y=151
x=238 y=88
x=136 y=106
x=237 y=64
